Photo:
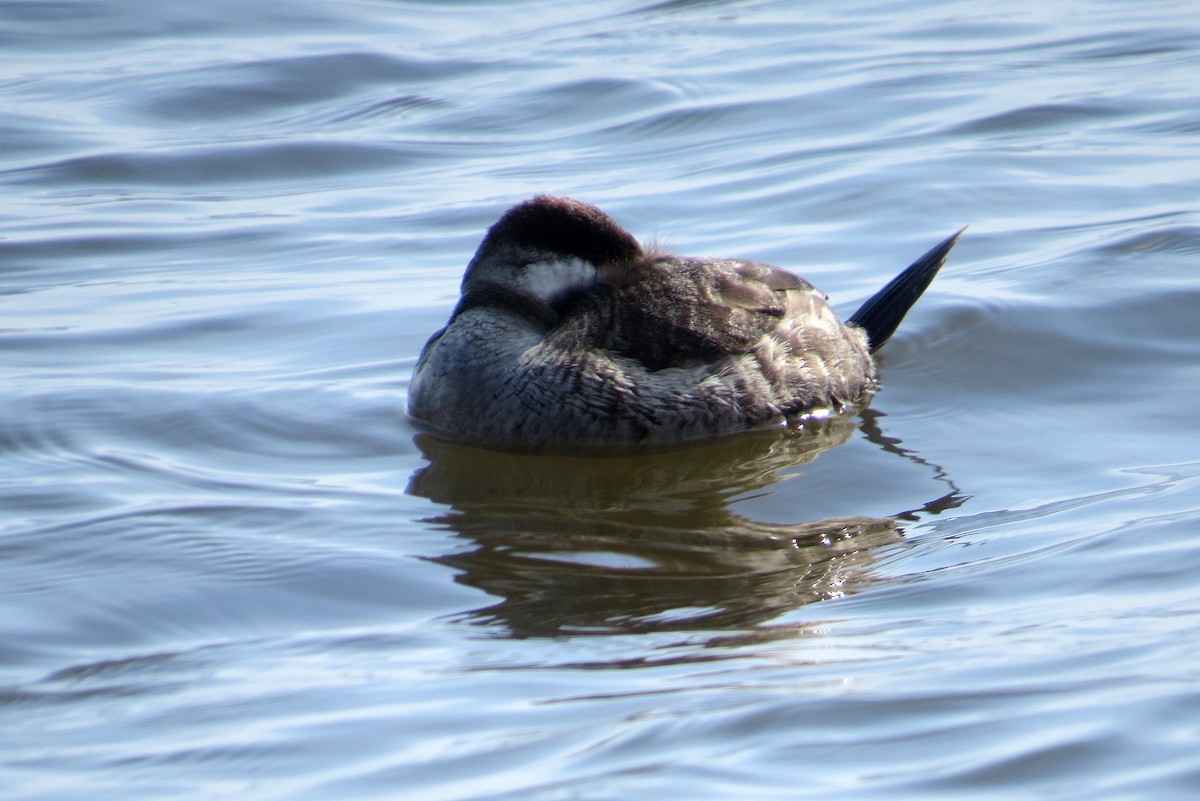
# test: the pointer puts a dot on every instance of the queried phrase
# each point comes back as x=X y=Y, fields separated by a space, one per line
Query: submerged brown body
x=569 y=334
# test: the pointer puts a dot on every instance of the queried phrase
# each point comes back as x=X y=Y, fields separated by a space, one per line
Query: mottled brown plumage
x=568 y=333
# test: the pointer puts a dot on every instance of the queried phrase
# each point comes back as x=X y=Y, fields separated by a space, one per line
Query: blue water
x=229 y=567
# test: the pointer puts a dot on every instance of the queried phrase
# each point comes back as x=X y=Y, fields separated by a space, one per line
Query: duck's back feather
x=681 y=311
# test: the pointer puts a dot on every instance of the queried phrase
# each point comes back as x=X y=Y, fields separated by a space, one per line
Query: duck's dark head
x=546 y=249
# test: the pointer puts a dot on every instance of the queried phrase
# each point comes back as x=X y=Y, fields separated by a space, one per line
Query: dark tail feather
x=880 y=316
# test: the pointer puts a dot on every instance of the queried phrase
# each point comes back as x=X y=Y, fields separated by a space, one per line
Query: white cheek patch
x=550 y=280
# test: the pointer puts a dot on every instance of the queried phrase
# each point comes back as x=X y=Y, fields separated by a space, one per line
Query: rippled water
x=230 y=568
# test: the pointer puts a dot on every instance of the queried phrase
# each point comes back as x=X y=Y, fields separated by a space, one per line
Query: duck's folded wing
x=684 y=311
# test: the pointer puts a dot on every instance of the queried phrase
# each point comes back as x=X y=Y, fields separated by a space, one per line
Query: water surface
x=230 y=567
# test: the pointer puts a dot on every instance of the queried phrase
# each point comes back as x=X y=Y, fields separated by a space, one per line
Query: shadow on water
x=649 y=541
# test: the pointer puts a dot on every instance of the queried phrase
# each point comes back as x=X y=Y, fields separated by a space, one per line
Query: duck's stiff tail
x=880 y=316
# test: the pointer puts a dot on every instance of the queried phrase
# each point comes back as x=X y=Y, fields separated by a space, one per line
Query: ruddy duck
x=569 y=333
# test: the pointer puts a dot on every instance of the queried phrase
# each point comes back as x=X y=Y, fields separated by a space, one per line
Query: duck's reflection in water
x=645 y=541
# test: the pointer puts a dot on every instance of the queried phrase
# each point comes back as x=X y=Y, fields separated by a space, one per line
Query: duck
x=568 y=333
